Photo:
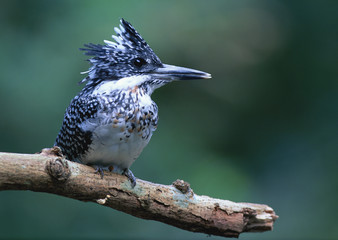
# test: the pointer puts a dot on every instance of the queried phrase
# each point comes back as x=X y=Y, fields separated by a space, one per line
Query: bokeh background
x=263 y=130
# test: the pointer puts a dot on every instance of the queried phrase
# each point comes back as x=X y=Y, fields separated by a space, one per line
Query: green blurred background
x=263 y=130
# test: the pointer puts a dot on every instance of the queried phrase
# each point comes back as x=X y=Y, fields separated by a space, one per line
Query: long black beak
x=171 y=72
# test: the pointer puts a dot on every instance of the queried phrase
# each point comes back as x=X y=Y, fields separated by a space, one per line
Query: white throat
x=121 y=84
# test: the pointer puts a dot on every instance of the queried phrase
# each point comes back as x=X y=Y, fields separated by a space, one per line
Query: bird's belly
x=118 y=142
x=114 y=149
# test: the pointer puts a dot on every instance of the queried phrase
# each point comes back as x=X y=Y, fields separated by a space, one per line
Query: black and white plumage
x=112 y=119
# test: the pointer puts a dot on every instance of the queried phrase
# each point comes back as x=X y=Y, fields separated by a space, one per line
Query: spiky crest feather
x=115 y=59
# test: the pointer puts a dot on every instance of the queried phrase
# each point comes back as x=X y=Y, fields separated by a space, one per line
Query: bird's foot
x=99 y=169
x=129 y=174
x=126 y=172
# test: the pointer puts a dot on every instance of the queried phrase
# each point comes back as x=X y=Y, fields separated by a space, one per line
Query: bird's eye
x=139 y=62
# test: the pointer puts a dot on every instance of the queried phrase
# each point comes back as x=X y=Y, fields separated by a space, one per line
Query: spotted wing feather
x=72 y=139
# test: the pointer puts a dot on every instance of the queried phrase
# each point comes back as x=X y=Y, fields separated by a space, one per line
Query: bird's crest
x=127 y=37
x=115 y=59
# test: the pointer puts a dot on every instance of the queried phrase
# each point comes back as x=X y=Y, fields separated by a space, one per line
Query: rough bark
x=174 y=204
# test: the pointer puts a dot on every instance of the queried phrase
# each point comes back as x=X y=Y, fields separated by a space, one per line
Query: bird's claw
x=126 y=172
x=129 y=174
x=99 y=170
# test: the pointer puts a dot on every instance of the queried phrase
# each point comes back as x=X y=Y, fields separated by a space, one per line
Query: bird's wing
x=72 y=138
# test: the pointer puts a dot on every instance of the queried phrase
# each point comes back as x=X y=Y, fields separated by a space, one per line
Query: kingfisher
x=112 y=119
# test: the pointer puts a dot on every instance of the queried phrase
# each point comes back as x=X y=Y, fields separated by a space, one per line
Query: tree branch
x=175 y=204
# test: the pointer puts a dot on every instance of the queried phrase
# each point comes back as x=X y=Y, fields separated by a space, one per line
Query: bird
x=111 y=120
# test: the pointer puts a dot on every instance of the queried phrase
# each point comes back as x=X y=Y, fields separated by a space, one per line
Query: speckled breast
x=122 y=128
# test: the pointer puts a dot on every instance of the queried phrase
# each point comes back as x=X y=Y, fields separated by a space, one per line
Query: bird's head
x=131 y=56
